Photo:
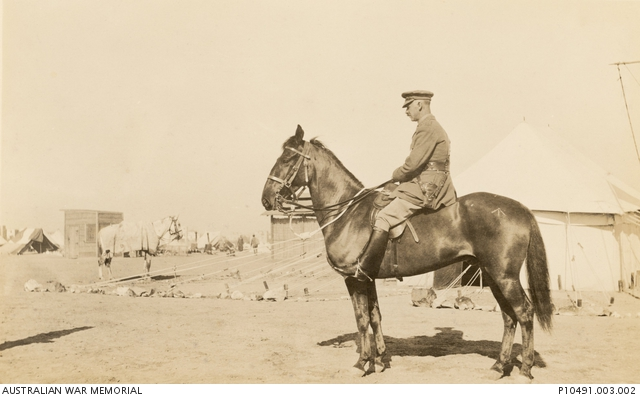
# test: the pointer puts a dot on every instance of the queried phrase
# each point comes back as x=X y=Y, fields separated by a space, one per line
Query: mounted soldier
x=425 y=181
x=469 y=229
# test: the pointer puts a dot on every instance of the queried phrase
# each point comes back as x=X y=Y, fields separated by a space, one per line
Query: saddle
x=380 y=202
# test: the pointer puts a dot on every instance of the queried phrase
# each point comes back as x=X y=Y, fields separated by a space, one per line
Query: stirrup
x=359 y=271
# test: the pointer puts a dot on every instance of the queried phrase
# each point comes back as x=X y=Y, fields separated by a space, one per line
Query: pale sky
x=158 y=107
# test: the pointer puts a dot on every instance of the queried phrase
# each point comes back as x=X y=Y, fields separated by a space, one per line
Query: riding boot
x=369 y=263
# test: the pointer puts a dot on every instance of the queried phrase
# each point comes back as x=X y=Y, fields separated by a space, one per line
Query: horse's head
x=286 y=179
x=175 y=229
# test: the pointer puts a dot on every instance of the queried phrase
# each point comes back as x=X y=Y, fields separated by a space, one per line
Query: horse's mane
x=315 y=142
x=292 y=141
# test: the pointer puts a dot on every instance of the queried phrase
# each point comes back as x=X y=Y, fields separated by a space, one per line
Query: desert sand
x=100 y=337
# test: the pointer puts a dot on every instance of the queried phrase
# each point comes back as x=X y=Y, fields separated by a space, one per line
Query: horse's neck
x=345 y=229
x=161 y=227
x=331 y=183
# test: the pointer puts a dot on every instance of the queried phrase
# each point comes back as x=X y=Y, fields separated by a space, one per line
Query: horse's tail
x=538 y=273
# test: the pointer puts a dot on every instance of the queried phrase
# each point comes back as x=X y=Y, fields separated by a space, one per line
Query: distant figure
x=240 y=243
x=254 y=243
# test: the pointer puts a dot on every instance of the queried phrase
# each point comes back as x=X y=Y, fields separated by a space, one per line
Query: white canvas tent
x=590 y=220
x=29 y=240
x=207 y=238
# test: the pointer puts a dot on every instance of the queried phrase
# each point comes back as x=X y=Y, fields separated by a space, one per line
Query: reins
x=357 y=198
x=307 y=235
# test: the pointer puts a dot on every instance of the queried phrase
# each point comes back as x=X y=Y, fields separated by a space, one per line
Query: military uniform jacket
x=419 y=185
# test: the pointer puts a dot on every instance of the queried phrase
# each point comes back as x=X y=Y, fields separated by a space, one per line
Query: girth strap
x=413 y=231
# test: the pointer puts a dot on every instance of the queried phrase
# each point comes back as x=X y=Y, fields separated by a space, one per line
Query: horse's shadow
x=447 y=341
x=41 y=338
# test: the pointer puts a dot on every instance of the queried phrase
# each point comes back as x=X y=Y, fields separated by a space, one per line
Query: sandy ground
x=49 y=337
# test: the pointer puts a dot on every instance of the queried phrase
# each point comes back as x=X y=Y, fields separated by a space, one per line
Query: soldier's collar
x=425 y=117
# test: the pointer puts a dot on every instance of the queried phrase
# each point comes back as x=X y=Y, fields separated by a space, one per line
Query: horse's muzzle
x=266 y=203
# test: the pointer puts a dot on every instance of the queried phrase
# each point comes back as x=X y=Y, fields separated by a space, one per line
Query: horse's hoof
x=496 y=372
x=525 y=374
x=498 y=367
x=379 y=366
x=371 y=369
x=355 y=371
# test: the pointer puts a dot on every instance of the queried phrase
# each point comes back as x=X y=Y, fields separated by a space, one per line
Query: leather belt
x=437 y=166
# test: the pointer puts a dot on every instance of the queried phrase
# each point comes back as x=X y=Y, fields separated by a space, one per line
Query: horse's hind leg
x=376 y=326
x=510 y=323
x=358 y=291
x=515 y=305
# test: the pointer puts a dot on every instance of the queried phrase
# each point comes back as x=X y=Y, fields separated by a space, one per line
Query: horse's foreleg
x=100 y=267
x=376 y=326
x=358 y=292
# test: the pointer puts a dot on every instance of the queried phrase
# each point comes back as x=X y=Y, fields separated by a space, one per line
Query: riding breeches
x=394 y=213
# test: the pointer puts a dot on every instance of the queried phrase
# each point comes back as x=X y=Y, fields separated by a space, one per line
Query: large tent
x=590 y=220
x=29 y=240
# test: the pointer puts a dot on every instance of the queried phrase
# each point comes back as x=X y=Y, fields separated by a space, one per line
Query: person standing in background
x=254 y=243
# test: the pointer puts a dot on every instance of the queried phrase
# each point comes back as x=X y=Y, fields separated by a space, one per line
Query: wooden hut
x=285 y=244
x=81 y=230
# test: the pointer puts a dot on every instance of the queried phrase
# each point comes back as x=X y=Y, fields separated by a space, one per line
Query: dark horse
x=496 y=233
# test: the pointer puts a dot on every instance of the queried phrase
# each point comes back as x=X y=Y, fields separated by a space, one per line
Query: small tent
x=207 y=238
x=590 y=220
x=29 y=240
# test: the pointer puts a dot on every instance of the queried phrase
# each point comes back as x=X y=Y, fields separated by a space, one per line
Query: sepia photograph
x=319 y=193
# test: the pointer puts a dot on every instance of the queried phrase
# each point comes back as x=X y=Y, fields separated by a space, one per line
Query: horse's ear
x=299 y=134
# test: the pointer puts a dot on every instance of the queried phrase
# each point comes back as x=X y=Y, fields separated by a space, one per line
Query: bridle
x=303 y=158
x=178 y=231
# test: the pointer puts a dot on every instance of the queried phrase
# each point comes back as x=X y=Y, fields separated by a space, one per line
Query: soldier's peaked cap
x=411 y=96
